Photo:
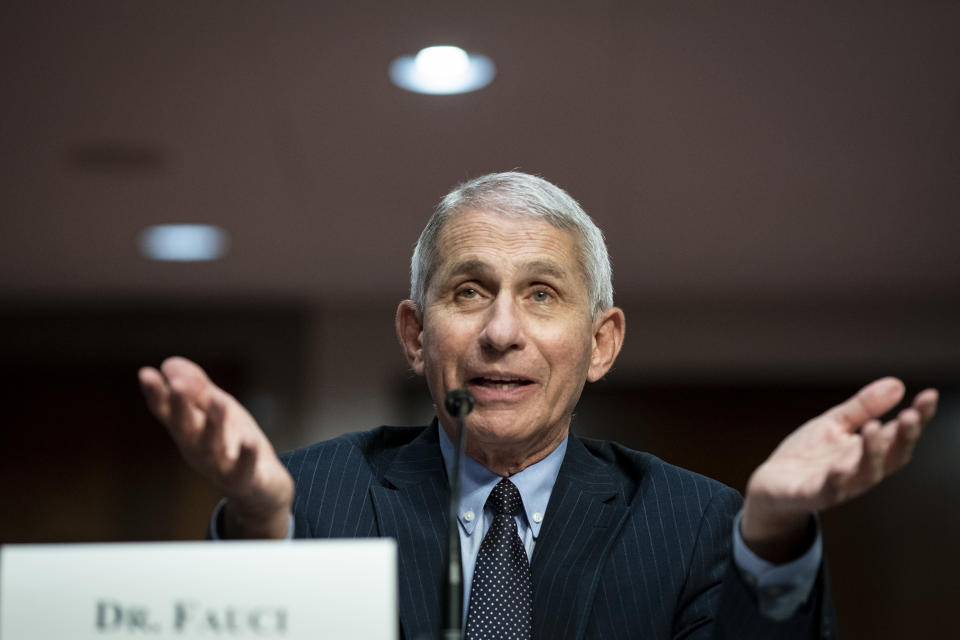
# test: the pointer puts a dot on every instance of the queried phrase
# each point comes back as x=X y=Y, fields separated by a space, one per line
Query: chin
x=498 y=430
x=493 y=431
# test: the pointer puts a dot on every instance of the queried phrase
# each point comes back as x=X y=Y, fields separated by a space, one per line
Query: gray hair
x=517 y=194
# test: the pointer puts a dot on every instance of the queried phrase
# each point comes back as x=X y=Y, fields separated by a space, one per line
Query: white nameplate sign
x=329 y=589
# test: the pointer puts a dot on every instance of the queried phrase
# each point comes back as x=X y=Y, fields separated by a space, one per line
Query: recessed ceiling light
x=442 y=70
x=183 y=242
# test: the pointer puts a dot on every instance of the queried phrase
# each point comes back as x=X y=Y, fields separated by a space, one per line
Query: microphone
x=459 y=400
x=458 y=403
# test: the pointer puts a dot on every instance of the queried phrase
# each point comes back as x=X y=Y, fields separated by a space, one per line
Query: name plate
x=293 y=590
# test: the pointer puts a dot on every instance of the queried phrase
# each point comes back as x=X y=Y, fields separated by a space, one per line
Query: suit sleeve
x=716 y=603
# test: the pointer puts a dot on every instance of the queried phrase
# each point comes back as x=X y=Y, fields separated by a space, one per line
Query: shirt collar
x=535 y=484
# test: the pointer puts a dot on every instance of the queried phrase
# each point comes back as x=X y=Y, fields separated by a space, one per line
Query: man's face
x=508 y=316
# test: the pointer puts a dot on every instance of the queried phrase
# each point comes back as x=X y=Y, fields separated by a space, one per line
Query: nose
x=503 y=326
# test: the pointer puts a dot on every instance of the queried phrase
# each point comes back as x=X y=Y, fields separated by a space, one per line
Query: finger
x=190 y=392
x=156 y=393
x=213 y=440
x=862 y=467
x=910 y=423
x=904 y=432
x=241 y=475
x=876 y=442
x=926 y=404
x=185 y=419
x=188 y=379
x=872 y=401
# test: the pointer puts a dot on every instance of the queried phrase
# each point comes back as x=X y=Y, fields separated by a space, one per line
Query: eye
x=467 y=292
x=541 y=295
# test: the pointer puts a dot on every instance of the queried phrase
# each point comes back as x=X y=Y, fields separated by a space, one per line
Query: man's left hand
x=829 y=460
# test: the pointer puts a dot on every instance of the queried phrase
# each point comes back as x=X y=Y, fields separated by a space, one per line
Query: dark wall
x=81 y=459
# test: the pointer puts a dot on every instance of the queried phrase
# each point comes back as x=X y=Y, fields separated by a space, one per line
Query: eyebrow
x=545 y=267
x=475 y=265
x=471 y=265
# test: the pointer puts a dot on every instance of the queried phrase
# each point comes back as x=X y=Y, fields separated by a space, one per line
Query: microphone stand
x=459 y=402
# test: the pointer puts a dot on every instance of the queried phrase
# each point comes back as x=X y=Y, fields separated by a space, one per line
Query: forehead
x=483 y=236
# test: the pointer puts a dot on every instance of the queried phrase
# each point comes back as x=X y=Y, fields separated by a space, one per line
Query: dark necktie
x=501 y=596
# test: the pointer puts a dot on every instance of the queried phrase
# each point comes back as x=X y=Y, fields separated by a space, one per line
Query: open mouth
x=499 y=383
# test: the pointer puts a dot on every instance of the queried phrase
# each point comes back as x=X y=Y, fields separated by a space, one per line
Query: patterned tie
x=501 y=597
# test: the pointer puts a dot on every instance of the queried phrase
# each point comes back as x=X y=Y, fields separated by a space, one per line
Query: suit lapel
x=411 y=506
x=584 y=514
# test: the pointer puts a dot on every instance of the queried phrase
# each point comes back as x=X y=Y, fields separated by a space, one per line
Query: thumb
x=188 y=379
x=870 y=402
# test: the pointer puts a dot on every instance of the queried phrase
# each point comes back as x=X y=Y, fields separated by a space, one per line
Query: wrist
x=774 y=535
x=243 y=522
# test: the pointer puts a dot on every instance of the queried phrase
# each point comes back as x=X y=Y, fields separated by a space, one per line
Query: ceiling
x=727 y=149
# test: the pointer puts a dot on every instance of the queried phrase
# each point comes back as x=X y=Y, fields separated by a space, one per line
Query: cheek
x=570 y=361
x=441 y=349
x=568 y=345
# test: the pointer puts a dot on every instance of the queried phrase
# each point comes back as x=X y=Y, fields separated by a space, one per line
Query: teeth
x=500 y=383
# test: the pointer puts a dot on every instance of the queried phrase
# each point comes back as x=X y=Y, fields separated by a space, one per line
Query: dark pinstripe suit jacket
x=631 y=547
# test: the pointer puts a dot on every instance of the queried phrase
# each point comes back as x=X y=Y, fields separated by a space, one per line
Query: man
x=511 y=298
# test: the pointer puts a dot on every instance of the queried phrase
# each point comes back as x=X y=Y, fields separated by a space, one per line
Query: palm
x=833 y=458
x=219 y=438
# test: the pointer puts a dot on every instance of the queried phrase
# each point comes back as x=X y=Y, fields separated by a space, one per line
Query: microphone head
x=459 y=402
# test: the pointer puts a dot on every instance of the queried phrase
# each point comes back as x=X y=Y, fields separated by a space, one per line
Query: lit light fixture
x=442 y=70
x=183 y=242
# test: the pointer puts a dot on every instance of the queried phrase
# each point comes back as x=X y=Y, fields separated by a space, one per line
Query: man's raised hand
x=221 y=440
x=830 y=459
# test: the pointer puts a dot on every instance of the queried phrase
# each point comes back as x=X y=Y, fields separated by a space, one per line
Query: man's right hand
x=221 y=440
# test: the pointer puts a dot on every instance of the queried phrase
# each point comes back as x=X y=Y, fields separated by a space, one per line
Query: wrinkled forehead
x=468 y=235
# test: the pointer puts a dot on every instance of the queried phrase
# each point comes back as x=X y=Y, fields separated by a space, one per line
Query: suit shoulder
x=376 y=447
x=642 y=472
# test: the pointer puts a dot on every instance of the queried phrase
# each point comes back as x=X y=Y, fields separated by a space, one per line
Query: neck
x=507 y=459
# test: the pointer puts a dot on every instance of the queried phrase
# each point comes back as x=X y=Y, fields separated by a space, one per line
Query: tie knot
x=505 y=499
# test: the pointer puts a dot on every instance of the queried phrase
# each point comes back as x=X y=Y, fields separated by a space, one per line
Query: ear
x=608 y=333
x=410 y=333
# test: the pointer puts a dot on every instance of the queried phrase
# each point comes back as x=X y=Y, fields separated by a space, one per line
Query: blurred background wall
x=778 y=185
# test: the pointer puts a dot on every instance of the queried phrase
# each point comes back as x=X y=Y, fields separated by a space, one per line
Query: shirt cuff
x=215 y=522
x=781 y=588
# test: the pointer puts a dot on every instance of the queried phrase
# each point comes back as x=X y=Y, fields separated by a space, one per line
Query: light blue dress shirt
x=535 y=484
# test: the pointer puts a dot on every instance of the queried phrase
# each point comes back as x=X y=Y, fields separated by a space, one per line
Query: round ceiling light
x=183 y=242
x=442 y=70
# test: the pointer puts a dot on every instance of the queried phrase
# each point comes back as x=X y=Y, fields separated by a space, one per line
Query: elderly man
x=562 y=537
